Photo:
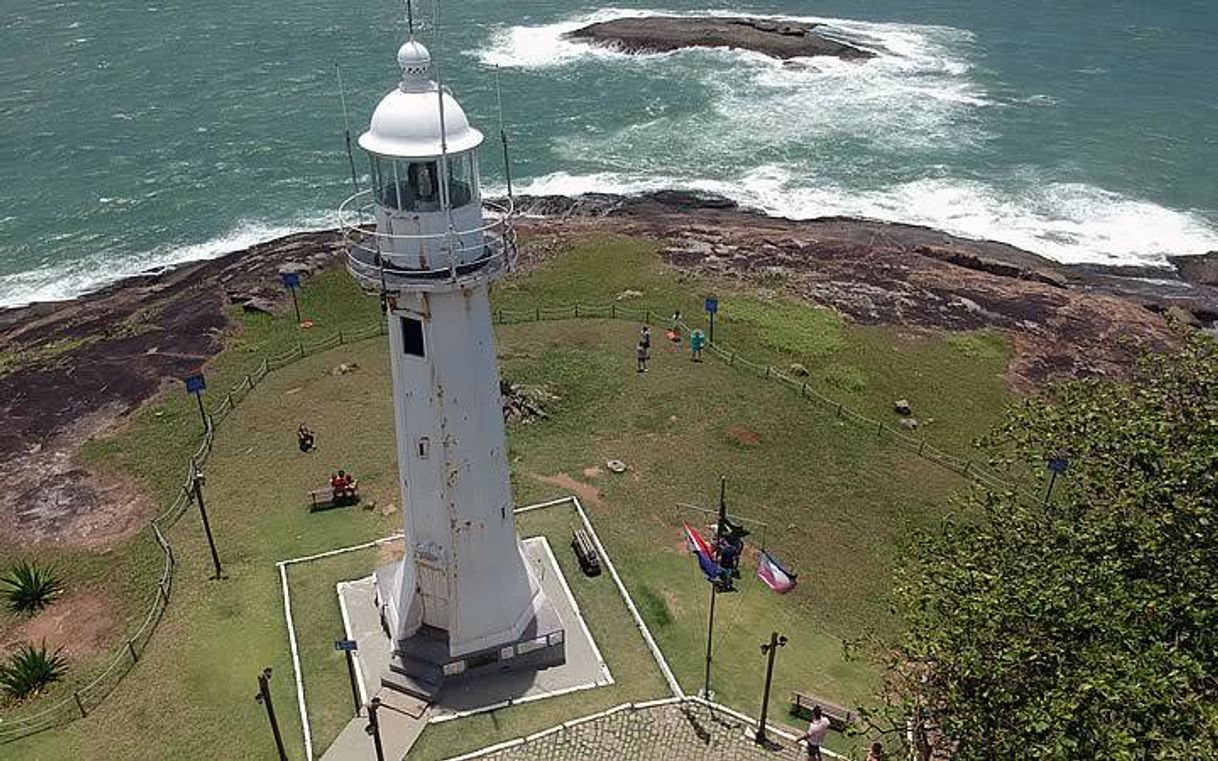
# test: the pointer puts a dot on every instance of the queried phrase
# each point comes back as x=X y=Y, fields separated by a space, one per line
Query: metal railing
x=85 y=699
x=382 y=260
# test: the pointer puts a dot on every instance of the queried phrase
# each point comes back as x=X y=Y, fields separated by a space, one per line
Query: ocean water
x=137 y=134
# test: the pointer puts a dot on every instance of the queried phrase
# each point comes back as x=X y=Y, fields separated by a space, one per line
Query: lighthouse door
x=433 y=586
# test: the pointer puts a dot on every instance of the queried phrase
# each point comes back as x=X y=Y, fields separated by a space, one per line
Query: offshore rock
x=662 y=34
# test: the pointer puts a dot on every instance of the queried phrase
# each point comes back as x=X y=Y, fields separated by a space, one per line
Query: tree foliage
x=1086 y=627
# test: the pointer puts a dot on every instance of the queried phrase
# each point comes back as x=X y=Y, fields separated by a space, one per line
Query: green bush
x=29 y=669
x=29 y=587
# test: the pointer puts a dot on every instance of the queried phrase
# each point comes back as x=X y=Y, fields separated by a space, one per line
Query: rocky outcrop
x=1199 y=270
x=661 y=34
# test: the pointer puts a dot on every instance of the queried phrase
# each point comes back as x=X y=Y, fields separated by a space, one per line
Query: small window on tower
x=412 y=336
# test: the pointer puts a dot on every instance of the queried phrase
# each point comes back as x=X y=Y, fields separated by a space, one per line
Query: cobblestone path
x=675 y=732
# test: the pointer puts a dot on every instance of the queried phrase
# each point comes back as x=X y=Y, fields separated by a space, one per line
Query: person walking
x=643 y=355
x=815 y=736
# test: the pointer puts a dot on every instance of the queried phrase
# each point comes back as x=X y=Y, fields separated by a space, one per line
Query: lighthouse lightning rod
x=410 y=18
x=507 y=164
x=342 y=96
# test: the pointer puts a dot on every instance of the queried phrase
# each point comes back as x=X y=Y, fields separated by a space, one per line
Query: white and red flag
x=773 y=575
x=706 y=556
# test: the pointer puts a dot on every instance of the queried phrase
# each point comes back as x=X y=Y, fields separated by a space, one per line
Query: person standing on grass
x=697 y=340
x=645 y=338
x=643 y=355
x=815 y=736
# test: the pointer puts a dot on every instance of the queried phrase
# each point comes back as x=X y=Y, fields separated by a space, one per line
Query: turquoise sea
x=137 y=134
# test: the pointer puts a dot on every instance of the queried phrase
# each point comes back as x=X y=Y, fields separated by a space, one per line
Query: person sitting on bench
x=338 y=485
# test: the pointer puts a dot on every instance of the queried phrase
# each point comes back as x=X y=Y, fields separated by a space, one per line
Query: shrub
x=29 y=669
x=30 y=587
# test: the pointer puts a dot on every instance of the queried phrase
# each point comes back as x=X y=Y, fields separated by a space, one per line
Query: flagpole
x=710 y=621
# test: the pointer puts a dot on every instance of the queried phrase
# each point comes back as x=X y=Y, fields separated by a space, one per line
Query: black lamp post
x=769 y=649
x=197 y=481
x=374 y=728
x=1057 y=465
x=264 y=697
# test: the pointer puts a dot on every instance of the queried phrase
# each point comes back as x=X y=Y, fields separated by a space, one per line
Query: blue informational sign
x=712 y=304
x=290 y=279
x=1058 y=465
x=345 y=645
x=195 y=384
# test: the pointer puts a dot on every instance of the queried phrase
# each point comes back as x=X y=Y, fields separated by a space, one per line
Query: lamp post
x=264 y=697
x=374 y=728
x=197 y=482
x=1057 y=465
x=769 y=649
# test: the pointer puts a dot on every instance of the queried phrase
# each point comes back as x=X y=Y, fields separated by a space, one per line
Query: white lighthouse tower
x=463 y=601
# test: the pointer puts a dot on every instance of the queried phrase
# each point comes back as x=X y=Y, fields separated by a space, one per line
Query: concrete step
x=409 y=685
x=402 y=702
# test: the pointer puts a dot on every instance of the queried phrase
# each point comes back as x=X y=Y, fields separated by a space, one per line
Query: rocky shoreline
x=74 y=369
x=662 y=34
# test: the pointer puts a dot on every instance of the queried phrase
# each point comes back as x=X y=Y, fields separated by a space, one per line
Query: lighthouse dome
x=407 y=123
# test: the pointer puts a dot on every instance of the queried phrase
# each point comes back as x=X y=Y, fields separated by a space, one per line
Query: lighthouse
x=464 y=600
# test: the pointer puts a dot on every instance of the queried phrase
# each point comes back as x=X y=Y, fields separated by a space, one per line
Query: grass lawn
x=839 y=505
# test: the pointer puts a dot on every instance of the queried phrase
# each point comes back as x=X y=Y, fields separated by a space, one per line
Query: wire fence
x=84 y=700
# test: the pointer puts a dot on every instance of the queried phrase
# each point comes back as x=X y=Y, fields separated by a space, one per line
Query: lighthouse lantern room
x=463 y=600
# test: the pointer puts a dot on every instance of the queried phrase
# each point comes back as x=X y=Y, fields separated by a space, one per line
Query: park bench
x=840 y=717
x=585 y=552
x=323 y=499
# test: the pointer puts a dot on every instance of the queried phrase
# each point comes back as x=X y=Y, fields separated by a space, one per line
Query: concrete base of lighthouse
x=422 y=665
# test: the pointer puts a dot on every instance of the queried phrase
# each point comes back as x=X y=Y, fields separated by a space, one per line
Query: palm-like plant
x=30 y=587
x=29 y=669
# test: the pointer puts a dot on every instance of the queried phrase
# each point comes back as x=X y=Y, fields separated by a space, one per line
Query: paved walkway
x=674 y=732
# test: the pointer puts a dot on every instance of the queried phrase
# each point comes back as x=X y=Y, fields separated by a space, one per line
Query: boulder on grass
x=902 y=407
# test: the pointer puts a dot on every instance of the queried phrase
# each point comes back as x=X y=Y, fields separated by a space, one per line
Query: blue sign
x=712 y=304
x=195 y=384
x=1058 y=465
x=346 y=645
x=290 y=279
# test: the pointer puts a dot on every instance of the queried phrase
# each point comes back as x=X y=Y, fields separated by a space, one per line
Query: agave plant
x=30 y=587
x=29 y=669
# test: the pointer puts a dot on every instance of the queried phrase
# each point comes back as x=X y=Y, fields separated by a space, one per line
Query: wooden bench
x=585 y=552
x=323 y=499
x=840 y=717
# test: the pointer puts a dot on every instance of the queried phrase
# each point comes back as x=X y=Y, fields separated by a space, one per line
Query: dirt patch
x=593 y=472
x=81 y=624
x=742 y=434
x=390 y=552
x=586 y=492
x=48 y=498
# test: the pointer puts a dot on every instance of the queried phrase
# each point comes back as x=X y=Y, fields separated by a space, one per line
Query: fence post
x=340 y=337
x=164 y=592
x=131 y=649
x=804 y=391
x=732 y=361
x=967 y=465
x=500 y=316
x=577 y=310
x=839 y=410
x=300 y=348
x=229 y=399
x=767 y=372
x=613 y=310
x=921 y=447
x=879 y=430
x=80 y=704
x=249 y=381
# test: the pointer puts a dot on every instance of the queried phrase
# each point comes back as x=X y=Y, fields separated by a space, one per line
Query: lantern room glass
x=412 y=185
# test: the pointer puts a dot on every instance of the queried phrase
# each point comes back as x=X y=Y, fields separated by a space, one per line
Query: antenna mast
x=507 y=163
x=410 y=18
x=342 y=96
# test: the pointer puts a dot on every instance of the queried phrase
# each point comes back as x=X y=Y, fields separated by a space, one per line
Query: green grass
x=839 y=504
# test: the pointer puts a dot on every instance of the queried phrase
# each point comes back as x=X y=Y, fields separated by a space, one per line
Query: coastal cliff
x=75 y=369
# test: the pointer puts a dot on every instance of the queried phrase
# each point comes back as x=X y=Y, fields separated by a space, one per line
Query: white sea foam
x=816 y=137
x=62 y=281
x=1068 y=223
